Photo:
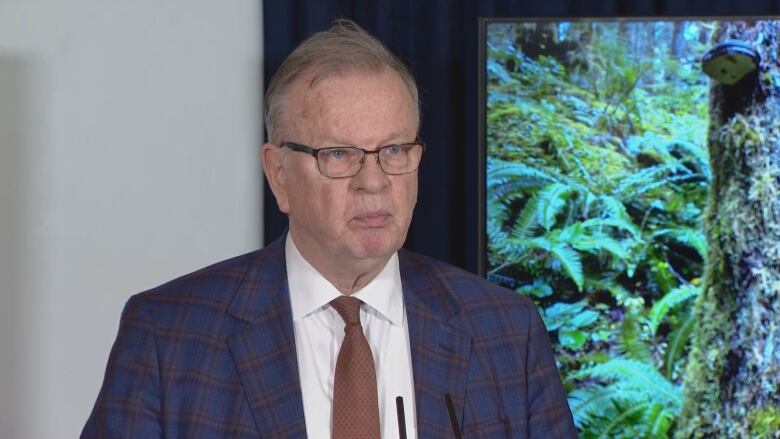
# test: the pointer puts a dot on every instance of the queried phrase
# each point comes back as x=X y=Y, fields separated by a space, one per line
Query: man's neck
x=348 y=278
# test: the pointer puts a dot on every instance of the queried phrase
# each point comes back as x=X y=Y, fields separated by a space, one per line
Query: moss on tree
x=732 y=382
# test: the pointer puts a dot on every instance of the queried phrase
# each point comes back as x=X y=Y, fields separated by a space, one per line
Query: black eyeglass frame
x=314 y=152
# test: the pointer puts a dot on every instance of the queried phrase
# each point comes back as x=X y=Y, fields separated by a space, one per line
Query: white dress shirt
x=319 y=331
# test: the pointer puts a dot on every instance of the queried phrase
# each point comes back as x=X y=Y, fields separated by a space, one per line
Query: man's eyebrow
x=332 y=141
x=399 y=138
x=392 y=139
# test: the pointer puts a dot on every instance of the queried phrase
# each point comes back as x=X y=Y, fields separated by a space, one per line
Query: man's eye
x=337 y=154
x=394 y=149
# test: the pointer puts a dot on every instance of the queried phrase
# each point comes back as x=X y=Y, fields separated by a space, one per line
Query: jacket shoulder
x=474 y=301
x=206 y=292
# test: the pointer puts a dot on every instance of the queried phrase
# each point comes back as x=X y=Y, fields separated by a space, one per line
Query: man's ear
x=276 y=174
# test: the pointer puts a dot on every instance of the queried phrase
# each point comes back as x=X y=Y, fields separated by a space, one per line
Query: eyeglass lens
x=346 y=162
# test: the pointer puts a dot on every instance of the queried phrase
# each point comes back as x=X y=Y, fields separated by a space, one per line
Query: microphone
x=453 y=416
x=399 y=407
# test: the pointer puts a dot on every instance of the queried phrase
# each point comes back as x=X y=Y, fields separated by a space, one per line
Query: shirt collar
x=310 y=291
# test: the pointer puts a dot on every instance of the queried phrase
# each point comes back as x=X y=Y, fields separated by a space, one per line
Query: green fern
x=499 y=248
x=632 y=341
x=595 y=178
x=659 y=419
x=550 y=202
x=624 y=398
x=526 y=220
x=649 y=179
x=616 y=223
x=617 y=215
x=699 y=154
x=589 y=403
x=601 y=242
x=678 y=340
x=670 y=300
x=625 y=417
x=510 y=177
x=569 y=259
x=496 y=216
x=686 y=236
x=635 y=377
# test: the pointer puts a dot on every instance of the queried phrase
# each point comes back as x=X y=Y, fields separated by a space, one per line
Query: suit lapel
x=264 y=350
x=265 y=356
x=440 y=352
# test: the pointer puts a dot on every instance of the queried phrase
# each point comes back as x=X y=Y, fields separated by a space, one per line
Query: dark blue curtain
x=439 y=40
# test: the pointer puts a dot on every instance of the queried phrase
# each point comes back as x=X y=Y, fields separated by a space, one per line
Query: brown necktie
x=355 y=403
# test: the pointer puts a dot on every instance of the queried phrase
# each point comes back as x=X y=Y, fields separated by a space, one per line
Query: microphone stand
x=453 y=416
x=399 y=407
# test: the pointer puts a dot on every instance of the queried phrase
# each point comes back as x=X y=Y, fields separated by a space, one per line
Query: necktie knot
x=348 y=308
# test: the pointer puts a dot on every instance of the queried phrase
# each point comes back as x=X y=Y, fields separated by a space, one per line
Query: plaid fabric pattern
x=488 y=348
x=212 y=355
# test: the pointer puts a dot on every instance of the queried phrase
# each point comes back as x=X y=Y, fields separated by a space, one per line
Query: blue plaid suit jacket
x=212 y=355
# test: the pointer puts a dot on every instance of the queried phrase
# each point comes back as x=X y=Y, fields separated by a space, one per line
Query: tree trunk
x=732 y=381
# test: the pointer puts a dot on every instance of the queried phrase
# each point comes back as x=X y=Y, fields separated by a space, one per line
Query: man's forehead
x=333 y=99
x=311 y=86
x=306 y=92
x=314 y=76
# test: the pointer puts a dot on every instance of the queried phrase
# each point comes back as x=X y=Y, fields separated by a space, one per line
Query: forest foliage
x=597 y=177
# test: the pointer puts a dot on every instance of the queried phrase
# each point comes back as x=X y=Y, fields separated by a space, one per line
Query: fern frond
x=526 y=220
x=622 y=296
x=626 y=375
x=599 y=242
x=622 y=418
x=659 y=419
x=618 y=215
x=671 y=299
x=691 y=237
x=601 y=223
x=571 y=262
x=630 y=342
x=648 y=179
x=700 y=154
x=569 y=259
x=678 y=340
x=585 y=403
x=510 y=177
x=550 y=202
x=496 y=210
x=642 y=178
x=497 y=238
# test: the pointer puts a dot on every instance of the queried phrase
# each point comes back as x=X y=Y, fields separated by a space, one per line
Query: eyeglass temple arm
x=300 y=148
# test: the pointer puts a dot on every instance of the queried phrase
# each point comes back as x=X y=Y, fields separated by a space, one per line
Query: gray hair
x=343 y=48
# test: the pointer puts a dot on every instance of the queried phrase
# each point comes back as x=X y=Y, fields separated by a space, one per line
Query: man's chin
x=377 y=245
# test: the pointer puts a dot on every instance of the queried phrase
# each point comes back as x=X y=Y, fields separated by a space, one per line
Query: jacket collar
x=264 y=283
x=440 y=350
x=265 y=356
x=264 y=349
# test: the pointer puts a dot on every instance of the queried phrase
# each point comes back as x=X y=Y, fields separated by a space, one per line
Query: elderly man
x=332 y=330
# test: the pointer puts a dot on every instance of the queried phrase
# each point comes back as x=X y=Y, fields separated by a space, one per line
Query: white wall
x=129 y=155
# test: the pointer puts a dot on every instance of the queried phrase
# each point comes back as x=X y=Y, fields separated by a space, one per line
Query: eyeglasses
x=347 y=161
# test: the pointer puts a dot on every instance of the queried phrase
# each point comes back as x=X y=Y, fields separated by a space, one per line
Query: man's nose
x=365 y=157
x=371 y=176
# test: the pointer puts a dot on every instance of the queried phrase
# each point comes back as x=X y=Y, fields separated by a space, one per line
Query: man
x=317 y=334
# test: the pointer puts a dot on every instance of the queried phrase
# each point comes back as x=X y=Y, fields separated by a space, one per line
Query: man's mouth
x=373 y=219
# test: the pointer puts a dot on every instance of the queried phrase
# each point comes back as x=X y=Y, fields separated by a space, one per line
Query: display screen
x=596 y=182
